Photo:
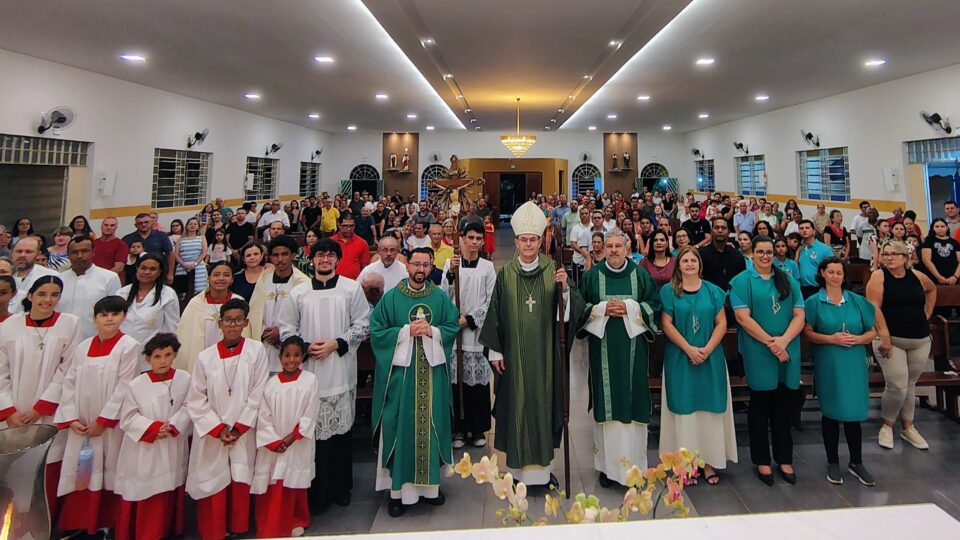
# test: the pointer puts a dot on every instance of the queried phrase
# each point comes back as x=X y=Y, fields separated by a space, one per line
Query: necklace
x=236 y=367
x=530 y=302
x=169 y=385
x=42 y=336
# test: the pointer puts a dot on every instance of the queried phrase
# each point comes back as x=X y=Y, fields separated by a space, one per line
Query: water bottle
x=84 y=465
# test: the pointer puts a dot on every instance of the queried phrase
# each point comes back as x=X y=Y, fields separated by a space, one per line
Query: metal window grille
x=824 y=174
x=264 y=184
x=586 y=177
x=21 y=150
x=180 y=178
x=431 y=172
x=931 y=150
x=751 y=175
x=364 y=172
x=706 y=178
x=309 y=178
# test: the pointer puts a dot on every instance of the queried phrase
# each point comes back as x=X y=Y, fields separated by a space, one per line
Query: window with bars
x=20 y=150
x=180 y=178
x=751 y=175
x=824 y=174
x=431 y=172
x=586 y=177
x=261 y=179
x=706 y=180
x=933 y=150
x=309 y=178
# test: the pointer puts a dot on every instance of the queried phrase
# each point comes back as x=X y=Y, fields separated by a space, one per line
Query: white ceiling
x=217 y=50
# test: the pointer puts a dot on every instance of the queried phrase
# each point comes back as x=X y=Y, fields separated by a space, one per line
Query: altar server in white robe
x=270 y=293
x=35 y=352
x=198 y=328
x=154 y=307
x=285 y=465
x=331 y=314
x=223 y=400
x=93 y=391
x=152 y=467
x=477 y=280
x=84 y=283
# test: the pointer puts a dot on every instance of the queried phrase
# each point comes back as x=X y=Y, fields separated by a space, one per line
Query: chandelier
x=518 y=144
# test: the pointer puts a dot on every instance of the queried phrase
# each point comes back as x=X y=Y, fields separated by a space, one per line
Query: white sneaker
x=297 y=531
x=912 y=436
x=458 y=441
x=885 y=438
x=480 y=442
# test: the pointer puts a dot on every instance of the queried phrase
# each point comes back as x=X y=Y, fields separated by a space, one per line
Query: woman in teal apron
x=696 y=410
x=839 y=324
x=769 y=309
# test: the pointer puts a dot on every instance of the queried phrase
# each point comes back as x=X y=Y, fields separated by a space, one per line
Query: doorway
x=34 y=191
x=943 y=184
x=513 y=189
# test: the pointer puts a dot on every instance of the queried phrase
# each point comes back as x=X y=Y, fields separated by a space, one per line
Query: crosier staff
x=456 y=301
x=564 y=363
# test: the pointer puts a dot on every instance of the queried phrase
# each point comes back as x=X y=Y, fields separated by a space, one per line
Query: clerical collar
x=43 y=323
x=278 y=279
x=227 y=352
x=616 y=270
x=157 y=377
x=330 y=284
x=288 y=377
x=103 y=348
x=527 y=267
x=469 y=264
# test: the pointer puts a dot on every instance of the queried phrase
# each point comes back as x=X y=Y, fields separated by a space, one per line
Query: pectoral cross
x=530 y=302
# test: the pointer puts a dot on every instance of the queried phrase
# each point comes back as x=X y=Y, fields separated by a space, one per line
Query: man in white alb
x=84 y=284
x=383 y=274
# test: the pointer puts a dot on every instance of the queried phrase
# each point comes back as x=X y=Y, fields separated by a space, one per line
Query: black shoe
x=554 y=483
x=834 y=476
x=862 y=474
x=395 y=508
x=342 y=500
x=791 y=478
x=436 y=501
x=765 y=478
x=604 y=481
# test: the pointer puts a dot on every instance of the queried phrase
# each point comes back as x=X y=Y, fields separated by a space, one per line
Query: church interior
x=116 y=108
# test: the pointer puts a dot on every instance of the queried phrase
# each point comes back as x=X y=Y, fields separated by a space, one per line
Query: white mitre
x=528 y=219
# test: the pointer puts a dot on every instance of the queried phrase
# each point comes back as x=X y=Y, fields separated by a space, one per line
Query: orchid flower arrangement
x=645 y=490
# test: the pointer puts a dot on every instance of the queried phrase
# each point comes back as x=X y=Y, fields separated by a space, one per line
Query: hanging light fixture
x=518 y=144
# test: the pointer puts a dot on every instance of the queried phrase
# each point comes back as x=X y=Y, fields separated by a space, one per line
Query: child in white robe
x=224 y=396
x=93 y=391
x=285 y=466
x=152 y=467
x=35 y=352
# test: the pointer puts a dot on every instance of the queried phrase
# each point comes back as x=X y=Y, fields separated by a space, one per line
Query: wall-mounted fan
x=197 y=138
x=274 y=148
x=697 y=153
x=937 y=122
x=585 y=157
x=741 y=147
x=316 y=154
x=435 y=157
x=810 y=138
x=57 y=118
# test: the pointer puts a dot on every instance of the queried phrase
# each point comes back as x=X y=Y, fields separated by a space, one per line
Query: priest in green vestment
x=412 y=331
x=619 y=322
x=520 y=335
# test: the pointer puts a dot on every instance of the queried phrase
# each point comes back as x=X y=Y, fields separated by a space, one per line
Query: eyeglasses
x=890 y=254
x=418 y=266
x=763 y=253
x=234 y=322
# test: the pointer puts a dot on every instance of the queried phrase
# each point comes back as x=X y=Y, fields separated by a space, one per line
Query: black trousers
x=476 y=410
x=830 y=429
x=334 y=462
x=773 y=410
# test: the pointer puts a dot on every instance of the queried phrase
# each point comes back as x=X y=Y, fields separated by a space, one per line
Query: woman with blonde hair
x=697 y=408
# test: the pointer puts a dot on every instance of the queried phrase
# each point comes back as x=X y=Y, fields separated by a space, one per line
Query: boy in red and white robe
x=285 y=466
x=93 y=391
x=224 y=396
x=152 y=467
x=31 y=378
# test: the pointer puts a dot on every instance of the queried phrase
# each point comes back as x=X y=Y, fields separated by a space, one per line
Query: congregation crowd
x=241 y=328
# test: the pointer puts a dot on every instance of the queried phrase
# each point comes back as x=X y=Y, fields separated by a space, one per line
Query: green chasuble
x=412 y=406
x=619 y=381
x=703 y=387
x=840 y=373
x=521 y=324
x=749 y=290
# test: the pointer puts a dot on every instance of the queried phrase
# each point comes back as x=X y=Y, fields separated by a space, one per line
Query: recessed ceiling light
x=459 y=96
x=477 y=128
x=588 y=77
x=553 y=120
x=762 y=97
x=705 y=61
x=448 y=76
x=381 y=96
x=252 y=95
x=546 y=128
x=611 y=117
x=411 y=116
x=323 y=59
x=667 y=127
x=351 y=128
x=429 y=128
x=560 y=111
x=472 y=120
x=643 y=97
x=429 y=41
x=874 y=62
x=613 y=43
x=133 y=58
x=313 y=116
x=703 y=115
x=468 y=110
x=592 y=128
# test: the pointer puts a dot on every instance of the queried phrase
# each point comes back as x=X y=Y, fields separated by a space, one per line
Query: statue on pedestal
x=626 y=160
x=614 y=162
x=406 y=161
x=392 y=162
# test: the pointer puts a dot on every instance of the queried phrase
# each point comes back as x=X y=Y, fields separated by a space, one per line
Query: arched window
x=655 y=177
x=653 y=171
x=431 y=172
x=586 y=177
x=366 y=177
x=364 y=172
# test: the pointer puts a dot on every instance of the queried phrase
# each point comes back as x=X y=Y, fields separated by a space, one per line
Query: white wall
x=126 y=122
x=872 y=122
x=350 y=150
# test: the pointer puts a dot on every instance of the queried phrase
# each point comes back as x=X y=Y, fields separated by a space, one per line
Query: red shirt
x=356 y=255
x=106 y=253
